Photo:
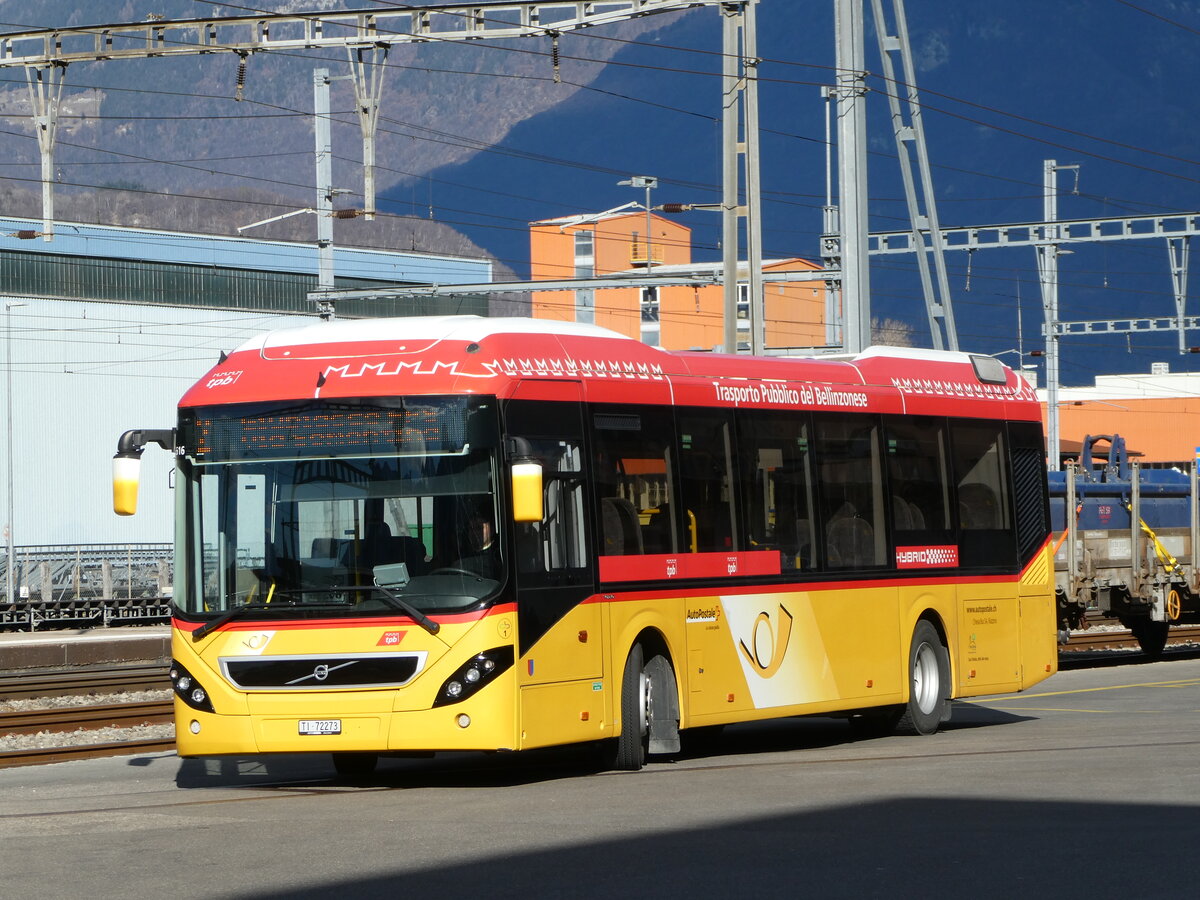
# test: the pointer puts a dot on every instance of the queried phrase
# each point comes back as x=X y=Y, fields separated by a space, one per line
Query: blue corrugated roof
x=145 y=245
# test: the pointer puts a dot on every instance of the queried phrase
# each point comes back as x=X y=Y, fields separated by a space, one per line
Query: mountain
x=172 y=124
x=1105 y=86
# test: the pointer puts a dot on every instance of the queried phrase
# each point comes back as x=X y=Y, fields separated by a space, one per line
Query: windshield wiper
x=231 y=614
x=404 y=606
x=395 y=601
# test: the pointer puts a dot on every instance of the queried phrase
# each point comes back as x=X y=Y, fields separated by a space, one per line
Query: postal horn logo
x=768 y=643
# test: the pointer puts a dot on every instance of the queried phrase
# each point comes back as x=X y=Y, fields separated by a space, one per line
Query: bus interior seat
x=977 y=507
x=410 y=551
x=851 y=542
x=918 y=517
x=906 y=516
x=379 y=547
x=325 y=548
x=656 y=534
x=804 y=544
x=622 y=530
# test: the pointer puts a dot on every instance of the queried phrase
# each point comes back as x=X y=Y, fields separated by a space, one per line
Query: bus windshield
x=340 y=533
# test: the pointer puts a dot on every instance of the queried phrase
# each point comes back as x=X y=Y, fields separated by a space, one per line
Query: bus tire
x=630 y=754
x=928 y=682
x=355 y=765
x=1150 y=635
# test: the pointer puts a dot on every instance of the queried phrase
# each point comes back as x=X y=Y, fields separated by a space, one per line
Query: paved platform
x=84 y=647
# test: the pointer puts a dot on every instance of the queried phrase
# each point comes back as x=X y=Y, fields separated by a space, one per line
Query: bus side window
x=556 y=543
x=775 y=482
x=706 y=477
x=553 y=552
x=918 y=470
x=850 y=481
x=986 y=535
x=632 y=469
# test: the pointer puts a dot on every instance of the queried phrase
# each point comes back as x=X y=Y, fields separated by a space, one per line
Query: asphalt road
x=1088 y=785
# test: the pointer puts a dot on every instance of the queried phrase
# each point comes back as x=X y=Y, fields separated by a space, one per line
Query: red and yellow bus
x=459 y=533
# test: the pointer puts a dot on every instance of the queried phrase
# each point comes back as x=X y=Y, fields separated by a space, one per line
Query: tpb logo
x=223 y=380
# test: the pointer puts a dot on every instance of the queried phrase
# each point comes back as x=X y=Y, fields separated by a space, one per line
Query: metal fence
x=86 y=584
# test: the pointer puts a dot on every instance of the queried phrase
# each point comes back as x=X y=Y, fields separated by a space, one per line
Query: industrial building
x=1158 y=414
x=104 y=328
x=677 y=317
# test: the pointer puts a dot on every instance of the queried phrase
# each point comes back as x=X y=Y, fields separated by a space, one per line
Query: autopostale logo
x=768 y=642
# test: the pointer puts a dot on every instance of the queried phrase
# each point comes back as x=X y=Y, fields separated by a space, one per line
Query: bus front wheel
x=636 y=705
x=928 y=681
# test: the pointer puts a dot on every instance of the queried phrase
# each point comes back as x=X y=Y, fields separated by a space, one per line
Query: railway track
x=40 y=756
x=108 y=680
x=62 y=719
x=1097 y=639
x=99 y=683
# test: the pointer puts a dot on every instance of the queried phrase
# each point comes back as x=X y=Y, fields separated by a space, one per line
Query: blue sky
x=1104 y=84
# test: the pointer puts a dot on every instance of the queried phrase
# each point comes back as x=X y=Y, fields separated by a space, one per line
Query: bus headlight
x=188 y=690
x=472 y=675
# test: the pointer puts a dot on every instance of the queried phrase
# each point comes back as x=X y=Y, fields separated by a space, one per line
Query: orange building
x=678 y=317
x=1158 y=415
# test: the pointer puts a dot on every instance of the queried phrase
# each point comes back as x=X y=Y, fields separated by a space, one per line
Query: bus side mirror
x=126 y=473
x=127 y=465
x=527 y=492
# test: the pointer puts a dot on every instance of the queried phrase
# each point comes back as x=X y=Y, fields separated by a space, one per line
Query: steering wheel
x=450 y=570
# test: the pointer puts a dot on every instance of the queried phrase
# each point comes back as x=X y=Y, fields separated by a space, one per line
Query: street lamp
x=648 y=182
x=9 y=306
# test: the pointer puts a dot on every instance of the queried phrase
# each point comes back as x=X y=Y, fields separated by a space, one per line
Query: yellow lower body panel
x=484 y=722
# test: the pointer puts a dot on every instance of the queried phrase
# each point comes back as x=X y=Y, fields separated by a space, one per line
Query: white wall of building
x=83 y=372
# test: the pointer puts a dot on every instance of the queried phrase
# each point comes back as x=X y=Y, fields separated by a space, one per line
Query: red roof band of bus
x=536 y=358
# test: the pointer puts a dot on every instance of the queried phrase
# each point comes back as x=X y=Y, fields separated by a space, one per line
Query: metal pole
x=749 y=75
x=649 y=226
x=1048 y=275
x=324 y=152
x=730 y=15
x=1048 y=271
x=8 y=530
x=831 y=242
x=852 y=173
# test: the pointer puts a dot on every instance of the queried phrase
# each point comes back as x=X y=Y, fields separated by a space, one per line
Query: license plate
x=320 y=726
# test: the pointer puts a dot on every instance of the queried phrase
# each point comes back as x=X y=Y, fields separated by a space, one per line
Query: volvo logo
x=321 y=672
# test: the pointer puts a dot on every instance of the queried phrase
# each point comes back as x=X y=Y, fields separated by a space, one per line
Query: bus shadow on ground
x=900 y=847
x=742 y=742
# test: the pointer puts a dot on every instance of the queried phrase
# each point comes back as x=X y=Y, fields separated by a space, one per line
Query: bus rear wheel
x=928 y=681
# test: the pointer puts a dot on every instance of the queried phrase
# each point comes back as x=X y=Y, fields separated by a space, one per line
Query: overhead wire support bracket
x=910 y=140
x=367 y=64
x=45 y=84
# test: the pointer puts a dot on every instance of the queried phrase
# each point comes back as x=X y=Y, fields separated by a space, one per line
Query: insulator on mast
x=241 y=78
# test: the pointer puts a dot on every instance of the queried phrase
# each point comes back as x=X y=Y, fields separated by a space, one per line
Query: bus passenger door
x=560 y=646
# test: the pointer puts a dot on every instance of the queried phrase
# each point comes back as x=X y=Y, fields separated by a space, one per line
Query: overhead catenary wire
x=474 y=73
